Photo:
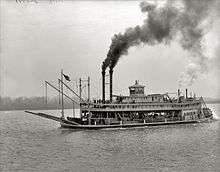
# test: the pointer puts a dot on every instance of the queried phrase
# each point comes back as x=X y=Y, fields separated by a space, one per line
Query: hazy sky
x=37 y=40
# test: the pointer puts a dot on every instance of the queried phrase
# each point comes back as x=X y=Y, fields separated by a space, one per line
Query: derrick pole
x=62 y=103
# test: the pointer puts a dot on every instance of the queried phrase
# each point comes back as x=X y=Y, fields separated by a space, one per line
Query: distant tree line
x=40 y=103
x=32 y=103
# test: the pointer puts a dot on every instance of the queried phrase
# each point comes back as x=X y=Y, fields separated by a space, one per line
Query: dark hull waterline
x=96 y=127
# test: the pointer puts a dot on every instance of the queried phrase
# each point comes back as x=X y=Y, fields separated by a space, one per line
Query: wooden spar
x=80 y=95
x=73 y=111
x=53 y=118
x=88 y=89
x=45 y=116
x=70 y=89
x=62 y=104
x=45 y=93
x=63 y=93
x=59 y=89
x=80 y=88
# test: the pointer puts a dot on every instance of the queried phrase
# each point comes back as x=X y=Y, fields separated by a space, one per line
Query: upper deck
x=138 y=101
x=159 y=106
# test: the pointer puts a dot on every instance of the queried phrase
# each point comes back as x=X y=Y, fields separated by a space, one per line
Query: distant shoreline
x=212 y=102
x=33 y=109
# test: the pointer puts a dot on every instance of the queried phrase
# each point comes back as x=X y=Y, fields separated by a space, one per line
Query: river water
x=31 y=143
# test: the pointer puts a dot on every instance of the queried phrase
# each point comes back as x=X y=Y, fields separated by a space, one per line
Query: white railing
x=146 y=106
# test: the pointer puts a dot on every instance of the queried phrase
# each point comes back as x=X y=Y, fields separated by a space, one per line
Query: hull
x=65 y=123
x=96 y=127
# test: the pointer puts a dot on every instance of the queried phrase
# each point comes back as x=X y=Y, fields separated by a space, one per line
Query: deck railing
x=146 y=106
x=110 y=121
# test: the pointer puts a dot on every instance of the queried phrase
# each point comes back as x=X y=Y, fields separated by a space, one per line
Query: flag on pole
x=66 y=77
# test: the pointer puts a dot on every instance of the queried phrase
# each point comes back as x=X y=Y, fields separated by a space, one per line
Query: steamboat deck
x=135 y=110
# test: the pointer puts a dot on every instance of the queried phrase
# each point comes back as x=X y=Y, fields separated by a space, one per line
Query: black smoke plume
x=181 y=20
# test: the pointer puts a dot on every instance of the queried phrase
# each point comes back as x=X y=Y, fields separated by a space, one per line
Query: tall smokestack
x=110 y=73
x=103 y=86
x=185 y=21
x=186 y=93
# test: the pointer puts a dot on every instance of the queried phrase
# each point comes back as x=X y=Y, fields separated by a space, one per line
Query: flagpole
x=88 y=89
x=62 y=104
x=59 y=89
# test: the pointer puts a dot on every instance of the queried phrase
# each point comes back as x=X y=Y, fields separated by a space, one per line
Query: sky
x=40 y=39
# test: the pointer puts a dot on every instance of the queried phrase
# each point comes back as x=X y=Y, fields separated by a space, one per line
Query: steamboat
x=135 y=110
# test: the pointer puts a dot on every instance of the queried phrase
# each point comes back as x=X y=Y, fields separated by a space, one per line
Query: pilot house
x=137 y=95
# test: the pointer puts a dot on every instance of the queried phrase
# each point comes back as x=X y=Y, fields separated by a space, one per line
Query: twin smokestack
x=103 y=84
x=110 y=79
x=164 y=24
